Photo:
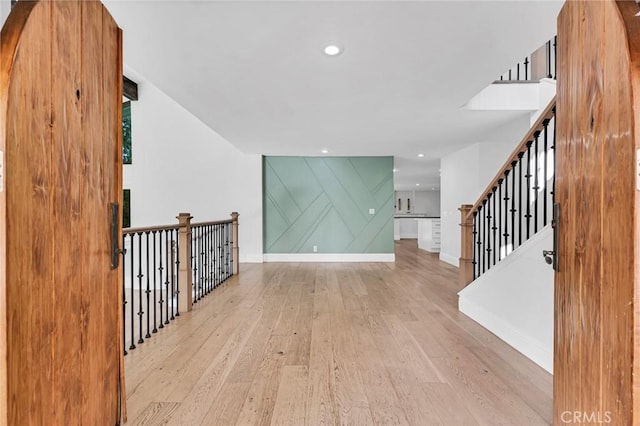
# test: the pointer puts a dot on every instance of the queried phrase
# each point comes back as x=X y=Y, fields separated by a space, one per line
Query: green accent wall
x=325 y=201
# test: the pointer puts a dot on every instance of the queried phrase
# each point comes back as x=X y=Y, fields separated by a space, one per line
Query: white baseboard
x=254 y=258
x=451 y=260
x=527 y=346
x=329 y=257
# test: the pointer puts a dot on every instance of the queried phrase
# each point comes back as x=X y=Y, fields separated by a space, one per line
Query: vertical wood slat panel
x=566 y=309
x=69 y=261
x=112 y=181
x=112 y=163
x=588 y=202
x=93 y=275
x=618 y=217
x=28 y=188
x=628 y=11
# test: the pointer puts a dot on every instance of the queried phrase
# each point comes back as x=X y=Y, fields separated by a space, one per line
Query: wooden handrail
x=547 y=114
x=215 y=222
x=172 y=227
x=150 y=229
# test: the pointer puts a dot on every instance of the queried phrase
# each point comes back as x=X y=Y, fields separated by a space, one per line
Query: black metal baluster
x=549 y=59
x=194 y=260
x=485 y=237
x=553 y=153
x=155 y=282
x=499 y=221
x=124 y=298
x=205 y=258
x=555 y=57
x=480 y=255
x=172 y=281
x=506 y=215
x=528 y=176
x=148 y=291
x=536 y=183
x=513 y=205
x=520 y=155
x=210 y=271
x=140 y=276
x=490 y=213
x=526 y=68
x=160 y=269
x=509 y=74
x=216 y=242
x=518 y=71
x=200 y=263
x=230 y=227
x=219 y=252
x=131 y=241
x=545 y=125
x=494 y=226
x=475 y=246
x=228 y=251
x=166 y=275
x=177 y=239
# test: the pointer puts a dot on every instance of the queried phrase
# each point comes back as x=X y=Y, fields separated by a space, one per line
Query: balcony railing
x=540 y=64
x=168 y=268
x=516 y=204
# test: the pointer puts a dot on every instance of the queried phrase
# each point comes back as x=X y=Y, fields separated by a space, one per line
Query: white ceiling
x=255 y=73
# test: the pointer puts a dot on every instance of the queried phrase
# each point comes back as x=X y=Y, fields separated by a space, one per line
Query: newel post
x=234 y=239
x=465 y=274
x=185 y=275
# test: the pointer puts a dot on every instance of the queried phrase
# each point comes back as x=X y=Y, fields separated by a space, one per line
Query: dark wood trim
x=129 y=88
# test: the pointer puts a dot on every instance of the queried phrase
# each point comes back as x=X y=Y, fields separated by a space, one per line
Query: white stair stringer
x=515 y=300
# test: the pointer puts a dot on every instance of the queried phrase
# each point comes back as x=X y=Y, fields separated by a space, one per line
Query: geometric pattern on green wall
x=325 y=202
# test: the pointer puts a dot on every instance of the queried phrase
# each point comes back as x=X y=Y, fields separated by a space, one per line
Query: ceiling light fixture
x=332 y=50
x=420 y=155
x=325 y=151
x=417 y=184
x=395 y=170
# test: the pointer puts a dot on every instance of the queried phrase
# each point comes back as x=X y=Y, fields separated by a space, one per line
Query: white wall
x=464 y=175
x=5 y=8
x=517 y=307
x=427 y=202
x=181 y=165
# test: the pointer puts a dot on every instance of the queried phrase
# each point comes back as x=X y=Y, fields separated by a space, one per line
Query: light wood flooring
x=327 y=344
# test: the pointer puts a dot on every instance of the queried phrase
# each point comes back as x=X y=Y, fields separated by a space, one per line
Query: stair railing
x=166 y=269
x=515 y=205
x=540 y=64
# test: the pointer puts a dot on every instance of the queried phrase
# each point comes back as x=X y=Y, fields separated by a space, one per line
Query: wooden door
x=60 y=139
x=596 y=300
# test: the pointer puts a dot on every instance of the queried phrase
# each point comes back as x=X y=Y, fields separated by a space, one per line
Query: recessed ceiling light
x=417 y=184
x=420 y=155
x=325 y=151
x=395 y=170
x=433 y=189
x=332 y=50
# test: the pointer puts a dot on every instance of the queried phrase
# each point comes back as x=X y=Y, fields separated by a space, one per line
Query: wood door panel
x=618 y=219
x=60 y=133
x=68 y=259
x=28 y=195
x=595 y=183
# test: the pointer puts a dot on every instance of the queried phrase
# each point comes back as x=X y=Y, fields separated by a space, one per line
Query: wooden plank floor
x=327 y=344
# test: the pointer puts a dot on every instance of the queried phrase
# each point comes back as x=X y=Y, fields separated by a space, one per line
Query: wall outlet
x=372 y=211
x=315 y=249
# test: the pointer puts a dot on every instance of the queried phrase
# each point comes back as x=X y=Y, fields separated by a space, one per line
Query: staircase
x=506 y=284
